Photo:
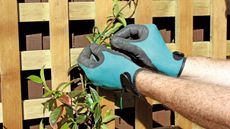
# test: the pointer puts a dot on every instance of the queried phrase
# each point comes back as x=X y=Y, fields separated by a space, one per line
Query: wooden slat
x=33 y=12
x=81 y=10
x=100 y=20
x=165 y=8
x=219 y=29
x=201 y=7
x=143 y=15
x=33 y=109
x=184 y=39
x=40 y=11
x=32 y=60
x=86 y=10
x=42 y=57
x=59 y=41
x=10 y=65
x=184 y=26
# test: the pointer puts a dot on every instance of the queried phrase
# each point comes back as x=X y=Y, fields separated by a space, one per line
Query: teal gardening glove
x=108 y=69
x=145 y=44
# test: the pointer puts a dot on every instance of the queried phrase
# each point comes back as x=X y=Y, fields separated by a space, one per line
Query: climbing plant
x=81 y=108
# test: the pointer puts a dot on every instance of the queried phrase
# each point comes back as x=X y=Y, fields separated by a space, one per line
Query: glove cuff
x=128 y=84
x=182 y=67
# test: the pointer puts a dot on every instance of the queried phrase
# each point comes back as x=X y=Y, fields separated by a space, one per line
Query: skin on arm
x=207 y=70
x=204 y=104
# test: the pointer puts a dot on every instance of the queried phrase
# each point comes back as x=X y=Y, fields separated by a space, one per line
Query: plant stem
x=108 y=26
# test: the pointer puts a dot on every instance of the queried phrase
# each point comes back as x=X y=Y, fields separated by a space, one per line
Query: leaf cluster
x=74 y=109
x=113 y=24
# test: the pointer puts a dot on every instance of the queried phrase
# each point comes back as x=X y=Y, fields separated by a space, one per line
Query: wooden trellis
x=59 y=12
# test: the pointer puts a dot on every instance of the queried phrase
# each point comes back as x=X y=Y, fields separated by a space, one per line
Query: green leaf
x=103 y=126
x=74 y=93
x=92 y=106
x=109 y=118
x=113 y=29
x=97 y=38
x=81 y=118
x=75 y=126
x=35 y=79
x=97 y=114
x=41 y=125
x=88 y=100
x=66 y=125
x=69 y=112
x=115 y=2
x=116 y=10
x=122 y=20
x=94 y=94
x=96 y=30
x=42 y=75
x=48 y=105
x=90 y=38
x=48 y=93
x=55 y=115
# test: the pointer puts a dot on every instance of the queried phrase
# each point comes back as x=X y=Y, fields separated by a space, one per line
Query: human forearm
x=207 y=105
x=207 y=70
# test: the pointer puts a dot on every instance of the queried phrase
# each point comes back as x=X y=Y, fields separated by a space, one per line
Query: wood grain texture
x=219 y=29
x=184 y=26
x=59 y=41
x=81 y=10
x=143 y=13
x=100 y=20
x=86 y=10
x=33 y=109
x=10 y=65
x=33 y=12
x=77 y=11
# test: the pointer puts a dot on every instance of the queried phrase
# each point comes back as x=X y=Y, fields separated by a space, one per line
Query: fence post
x=59 y=41
x=184 y=42
x=143 y=105
x=10 y=65
x=103 y=10
x=218 y=29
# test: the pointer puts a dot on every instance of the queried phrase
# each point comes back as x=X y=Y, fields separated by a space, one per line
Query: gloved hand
x=107 y=68
x=145 y=44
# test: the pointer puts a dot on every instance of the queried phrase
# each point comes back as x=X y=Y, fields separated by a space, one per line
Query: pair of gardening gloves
x=134 y=48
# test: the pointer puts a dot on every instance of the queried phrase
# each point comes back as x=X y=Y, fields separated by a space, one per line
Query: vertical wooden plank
x=143 y=14
x=218 y=29
x=10 y=65
x=143 y=106
x=103 y=10
x=59 y=41
x=184 y=26
x=184 y=39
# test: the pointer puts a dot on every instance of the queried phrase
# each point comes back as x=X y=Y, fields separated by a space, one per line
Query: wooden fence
x=60 y=57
